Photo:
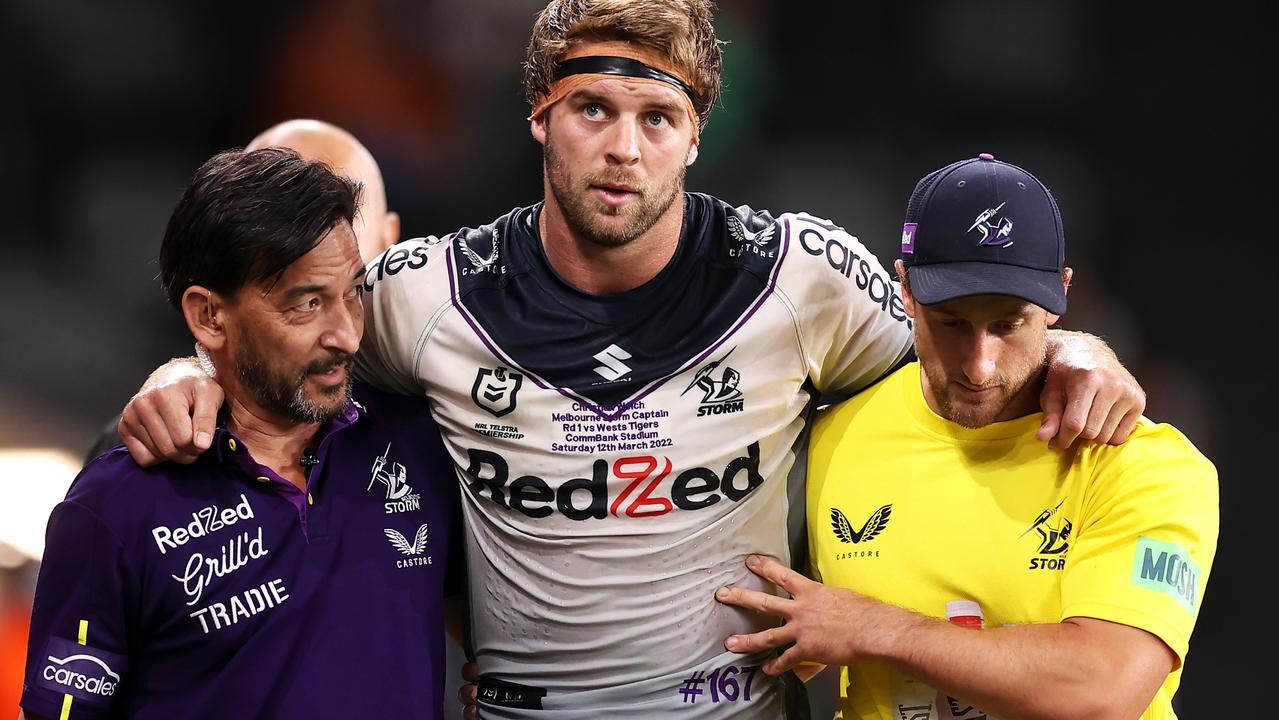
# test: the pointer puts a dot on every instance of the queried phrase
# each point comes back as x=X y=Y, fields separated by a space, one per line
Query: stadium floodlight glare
x=32 y=482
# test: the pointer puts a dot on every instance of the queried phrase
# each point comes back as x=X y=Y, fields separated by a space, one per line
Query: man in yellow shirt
x=929 y=497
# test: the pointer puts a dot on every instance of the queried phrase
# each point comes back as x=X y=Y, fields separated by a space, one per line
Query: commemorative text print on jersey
x=692 y=489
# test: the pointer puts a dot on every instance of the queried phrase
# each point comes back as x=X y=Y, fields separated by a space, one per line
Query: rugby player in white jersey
x=623 y=374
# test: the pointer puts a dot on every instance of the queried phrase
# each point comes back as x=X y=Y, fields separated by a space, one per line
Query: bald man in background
x=376 y=228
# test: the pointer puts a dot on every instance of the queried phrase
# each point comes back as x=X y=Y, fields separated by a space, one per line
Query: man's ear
x=390 y=228
x=537 y=126
x=1067 y=274
x=908 y=300
x=205 y=314
x=692 y=154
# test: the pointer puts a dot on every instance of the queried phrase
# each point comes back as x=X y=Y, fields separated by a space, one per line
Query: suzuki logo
x=612 y=368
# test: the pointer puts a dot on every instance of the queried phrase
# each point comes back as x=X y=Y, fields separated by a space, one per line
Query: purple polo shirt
x=219 y=590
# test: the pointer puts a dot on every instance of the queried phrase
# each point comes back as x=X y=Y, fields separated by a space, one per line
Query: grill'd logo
x=719 y=395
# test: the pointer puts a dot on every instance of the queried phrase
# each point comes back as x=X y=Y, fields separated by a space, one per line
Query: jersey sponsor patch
x=84 y=672
x=645 y=492
x=1167 y=568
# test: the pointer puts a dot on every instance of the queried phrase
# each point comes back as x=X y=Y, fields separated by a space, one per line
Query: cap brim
x=940 y=282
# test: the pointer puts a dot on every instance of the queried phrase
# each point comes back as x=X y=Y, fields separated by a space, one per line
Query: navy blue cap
x=984 y=227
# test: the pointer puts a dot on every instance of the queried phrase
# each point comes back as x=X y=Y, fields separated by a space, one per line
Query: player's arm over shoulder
x=404 y=289
x=852 y=324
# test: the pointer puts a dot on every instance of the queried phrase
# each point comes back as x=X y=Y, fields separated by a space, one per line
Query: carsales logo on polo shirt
x=81 y=671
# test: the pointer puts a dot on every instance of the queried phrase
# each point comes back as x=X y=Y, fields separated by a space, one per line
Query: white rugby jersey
x=620 y=455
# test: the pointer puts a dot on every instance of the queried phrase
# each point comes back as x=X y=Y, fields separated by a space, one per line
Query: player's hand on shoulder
x=173 y=415
x=1088 y=394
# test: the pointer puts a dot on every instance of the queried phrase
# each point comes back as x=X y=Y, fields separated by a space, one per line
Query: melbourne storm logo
x=720 y=395
x=1054 y=538
x=993 y=234
x=846 y=533
x=399 y=495
x=495 y=390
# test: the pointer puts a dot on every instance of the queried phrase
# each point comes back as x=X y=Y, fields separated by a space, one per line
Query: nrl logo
x=494 y=390
x=874 y=525
x=737 y=229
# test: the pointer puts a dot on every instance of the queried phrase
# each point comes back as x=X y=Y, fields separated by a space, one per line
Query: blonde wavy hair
x=680 y=30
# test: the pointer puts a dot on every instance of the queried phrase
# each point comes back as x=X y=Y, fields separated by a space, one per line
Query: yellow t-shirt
x=917 y=511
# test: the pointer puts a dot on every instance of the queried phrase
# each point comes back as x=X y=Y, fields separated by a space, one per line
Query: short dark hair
x=247 y=216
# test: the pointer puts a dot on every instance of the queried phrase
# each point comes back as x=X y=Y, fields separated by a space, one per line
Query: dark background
x=1142 y=119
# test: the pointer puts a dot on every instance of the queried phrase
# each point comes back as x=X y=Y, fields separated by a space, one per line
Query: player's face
x=615 y=154
x=979 y=356
x=293 y=339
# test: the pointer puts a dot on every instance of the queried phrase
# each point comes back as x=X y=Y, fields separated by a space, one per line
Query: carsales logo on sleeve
x=81 y=671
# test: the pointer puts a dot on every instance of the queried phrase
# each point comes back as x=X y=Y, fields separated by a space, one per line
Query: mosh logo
x=583 y=499
x=81 y=671
x=393 y=261
x=846 y=533
x=719 y=395
x=1167 y=568
x=845 y=261
x=494 y=390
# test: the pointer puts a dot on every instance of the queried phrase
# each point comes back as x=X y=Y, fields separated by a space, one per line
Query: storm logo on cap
x=994 y=235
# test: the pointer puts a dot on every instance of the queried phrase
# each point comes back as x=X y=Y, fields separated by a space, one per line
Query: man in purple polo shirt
x=298 y=569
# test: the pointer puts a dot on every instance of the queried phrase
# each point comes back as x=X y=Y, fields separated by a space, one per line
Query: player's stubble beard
x=285 y=392
x=573 y=194
x=1017 y=377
